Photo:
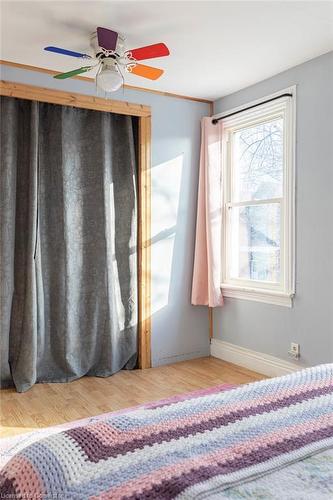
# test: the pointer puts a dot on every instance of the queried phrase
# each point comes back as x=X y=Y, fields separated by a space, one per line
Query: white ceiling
x=216 y=47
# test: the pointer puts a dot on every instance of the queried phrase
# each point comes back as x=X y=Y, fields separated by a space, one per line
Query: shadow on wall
x=177 y=334
x=179 y=330
x=166 y=185
x=172 y=246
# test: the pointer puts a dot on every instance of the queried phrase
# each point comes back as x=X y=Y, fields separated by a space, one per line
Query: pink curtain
x=207 y=257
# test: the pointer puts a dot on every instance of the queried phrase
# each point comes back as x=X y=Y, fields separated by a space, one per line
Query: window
x=258 y=215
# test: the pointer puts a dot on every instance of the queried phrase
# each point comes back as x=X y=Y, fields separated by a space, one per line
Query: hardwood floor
x=50 y=404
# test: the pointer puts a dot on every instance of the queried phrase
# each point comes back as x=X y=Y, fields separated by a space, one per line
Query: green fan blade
x=69 y=74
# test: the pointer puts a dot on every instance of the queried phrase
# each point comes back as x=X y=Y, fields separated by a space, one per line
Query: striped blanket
x=193 y=448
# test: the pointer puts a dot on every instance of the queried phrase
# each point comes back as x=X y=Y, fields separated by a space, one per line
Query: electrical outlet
x=294 y=351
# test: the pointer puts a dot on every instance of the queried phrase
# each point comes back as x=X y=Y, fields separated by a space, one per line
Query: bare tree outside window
x=257 y=175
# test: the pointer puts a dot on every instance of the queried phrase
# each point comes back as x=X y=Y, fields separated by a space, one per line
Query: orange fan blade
x=146 y=71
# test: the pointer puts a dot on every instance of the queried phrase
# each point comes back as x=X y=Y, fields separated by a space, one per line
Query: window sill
x=257 y=295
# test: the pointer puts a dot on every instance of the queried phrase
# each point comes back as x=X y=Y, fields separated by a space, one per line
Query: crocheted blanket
x=187 y=449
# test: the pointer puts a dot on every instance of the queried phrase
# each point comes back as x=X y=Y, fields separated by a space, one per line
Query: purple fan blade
x=66 y=52
x=107 y=39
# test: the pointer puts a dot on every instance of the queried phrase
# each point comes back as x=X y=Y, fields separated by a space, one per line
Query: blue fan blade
x=66 y=52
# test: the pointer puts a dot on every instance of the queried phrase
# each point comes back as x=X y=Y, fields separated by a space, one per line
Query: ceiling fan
x=111 y=59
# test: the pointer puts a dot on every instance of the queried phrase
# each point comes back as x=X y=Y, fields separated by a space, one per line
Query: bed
x=268 y=439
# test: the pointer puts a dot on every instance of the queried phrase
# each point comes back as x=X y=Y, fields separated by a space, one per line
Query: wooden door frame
x=143 y=113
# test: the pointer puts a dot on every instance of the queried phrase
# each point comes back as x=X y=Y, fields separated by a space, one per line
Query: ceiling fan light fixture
x=110 y=58
x=109 y=79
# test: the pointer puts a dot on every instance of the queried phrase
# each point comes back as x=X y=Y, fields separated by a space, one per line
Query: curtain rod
x=216 y=120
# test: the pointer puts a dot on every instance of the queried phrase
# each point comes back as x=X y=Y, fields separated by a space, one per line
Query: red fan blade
x=107 y=38
x=146 y=71
x=149 y=52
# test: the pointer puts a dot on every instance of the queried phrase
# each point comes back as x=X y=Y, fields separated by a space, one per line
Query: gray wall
x=269 y=328
x=179 y=330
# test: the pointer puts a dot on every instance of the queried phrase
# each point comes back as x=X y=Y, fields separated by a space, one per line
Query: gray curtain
x=68 y=243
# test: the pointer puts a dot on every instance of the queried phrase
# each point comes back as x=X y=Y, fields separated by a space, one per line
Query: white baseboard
x=256 y=361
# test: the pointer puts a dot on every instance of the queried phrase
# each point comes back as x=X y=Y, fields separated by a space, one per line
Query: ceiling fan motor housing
x=101 y=53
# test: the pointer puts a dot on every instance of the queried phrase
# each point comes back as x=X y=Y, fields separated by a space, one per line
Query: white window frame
x=279 y=294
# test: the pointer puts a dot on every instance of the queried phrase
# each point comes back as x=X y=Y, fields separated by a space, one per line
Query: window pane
x=255 y=242
x=258 y=162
